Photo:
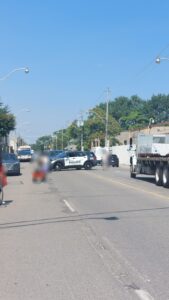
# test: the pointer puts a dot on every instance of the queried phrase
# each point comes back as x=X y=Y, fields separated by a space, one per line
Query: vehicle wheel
x=159 y=176
x=132 y=174
x=88 y=165
x=1 y=196
x=58 y=167
x=165 y=177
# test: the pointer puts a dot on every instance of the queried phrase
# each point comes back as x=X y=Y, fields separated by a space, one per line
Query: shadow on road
x=146 y=179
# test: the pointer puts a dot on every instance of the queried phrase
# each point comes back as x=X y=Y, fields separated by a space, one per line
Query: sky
x=75 y=49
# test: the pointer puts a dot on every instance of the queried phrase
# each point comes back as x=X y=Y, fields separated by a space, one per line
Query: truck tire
x=132 y=174
x=159 y=176
x=165 y=177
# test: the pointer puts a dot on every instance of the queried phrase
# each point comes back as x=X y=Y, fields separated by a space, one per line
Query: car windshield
x=24 y=152
x=8 y=156
x=54 y=153
x=61 y=155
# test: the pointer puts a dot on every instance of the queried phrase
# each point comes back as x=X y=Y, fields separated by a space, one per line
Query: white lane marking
x=69 y=206
x=143 y=295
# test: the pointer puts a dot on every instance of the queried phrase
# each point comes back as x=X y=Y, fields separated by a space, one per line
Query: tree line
x=125 y=113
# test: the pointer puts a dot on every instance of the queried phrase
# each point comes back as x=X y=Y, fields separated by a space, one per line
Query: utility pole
x=82 y=127
x=62 y=138
x=80 y=124
x=107 y=116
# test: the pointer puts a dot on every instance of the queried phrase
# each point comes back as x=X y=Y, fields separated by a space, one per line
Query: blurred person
x=41 y=168
x=3 y=178
x=105 y=159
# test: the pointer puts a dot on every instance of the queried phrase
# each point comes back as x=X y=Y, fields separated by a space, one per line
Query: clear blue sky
x=75 y=49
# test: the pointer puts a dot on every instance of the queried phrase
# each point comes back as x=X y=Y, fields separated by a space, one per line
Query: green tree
x=135 y=120
x=7 y=121
x=95 y=125
x=43 y=143
x=158 y=108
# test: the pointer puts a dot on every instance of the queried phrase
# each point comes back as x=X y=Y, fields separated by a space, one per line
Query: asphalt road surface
x=84 y=235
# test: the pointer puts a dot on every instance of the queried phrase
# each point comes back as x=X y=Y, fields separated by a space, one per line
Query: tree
x=7 y=121
x=43 y=143
x=158 y=108
x=135 y=120
x=124 y=114
x=94 y=127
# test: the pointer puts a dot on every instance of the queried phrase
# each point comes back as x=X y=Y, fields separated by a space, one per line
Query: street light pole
x=62 y=138
x=54 y=141
x=25 y=69
x=80 y=124
x=107 y=117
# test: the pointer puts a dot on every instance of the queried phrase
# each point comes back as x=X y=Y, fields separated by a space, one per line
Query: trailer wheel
x=132 y=174
x=165 y=177
x=159 y=176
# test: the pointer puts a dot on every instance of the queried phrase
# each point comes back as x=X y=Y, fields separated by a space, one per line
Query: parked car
x=71 y=159
x=114 y=160
x=11 y=164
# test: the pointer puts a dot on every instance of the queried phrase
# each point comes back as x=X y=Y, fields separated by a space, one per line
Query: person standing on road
x=105 y=159
x=41 y=168
x=3 y=179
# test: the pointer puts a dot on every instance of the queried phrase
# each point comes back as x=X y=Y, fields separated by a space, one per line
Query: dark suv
x=113 y=160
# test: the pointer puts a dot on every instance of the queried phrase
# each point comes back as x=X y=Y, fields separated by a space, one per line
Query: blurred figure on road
x=105 y=159
x=3 y=179
x=41 y=167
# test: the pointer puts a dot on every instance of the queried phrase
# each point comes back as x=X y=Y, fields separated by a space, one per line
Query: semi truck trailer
x=149 y=155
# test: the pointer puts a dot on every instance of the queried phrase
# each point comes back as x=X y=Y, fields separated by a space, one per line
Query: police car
x=71 y=159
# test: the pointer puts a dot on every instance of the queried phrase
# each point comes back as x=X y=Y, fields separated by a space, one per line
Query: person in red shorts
x=3 y=178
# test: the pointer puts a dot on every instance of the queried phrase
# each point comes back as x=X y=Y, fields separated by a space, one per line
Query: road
x=84 y=235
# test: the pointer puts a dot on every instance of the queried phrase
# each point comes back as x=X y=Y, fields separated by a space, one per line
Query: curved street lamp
x=25 y=69
x=159 y=59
